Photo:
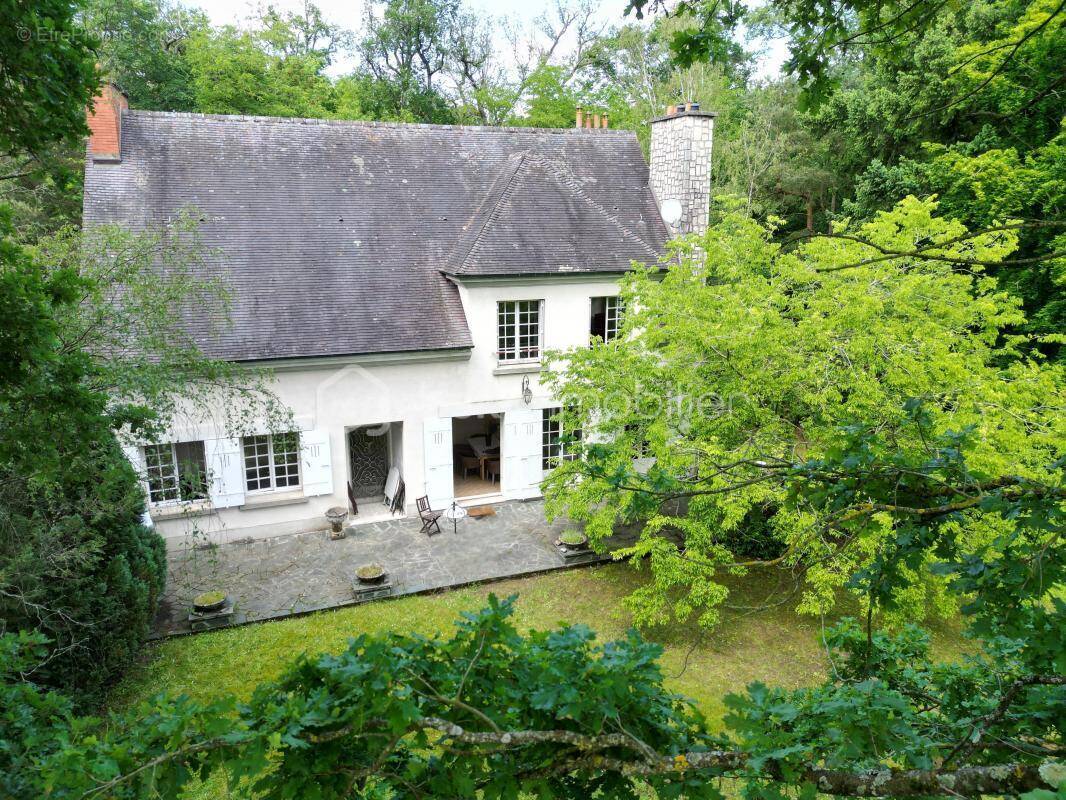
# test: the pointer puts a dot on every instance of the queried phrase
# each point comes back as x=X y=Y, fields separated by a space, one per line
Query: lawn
x=775 y=645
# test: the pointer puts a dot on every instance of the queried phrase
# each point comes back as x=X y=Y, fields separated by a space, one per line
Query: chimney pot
x=605 y=120
x=580 y=117
x=595 y=120
x=671 y=111
x=104 y=118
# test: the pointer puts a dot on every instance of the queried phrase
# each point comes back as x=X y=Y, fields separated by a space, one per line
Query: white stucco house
x=401 y=281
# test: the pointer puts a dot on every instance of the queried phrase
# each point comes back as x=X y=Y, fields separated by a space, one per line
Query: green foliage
x=553 y=714
x=551 y=101
x=75 y=561
x=745 y=359
x=143 y=50
x=46 y=74
x=233 y=74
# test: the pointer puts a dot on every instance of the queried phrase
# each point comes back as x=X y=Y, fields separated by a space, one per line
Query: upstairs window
x=518 y=330
x=272 y=462
x=176 y=471
x=606 y=318
x=553 y=449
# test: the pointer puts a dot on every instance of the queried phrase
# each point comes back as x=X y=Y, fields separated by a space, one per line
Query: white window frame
x=553 y=427
x=510 y=355
x=613 y=309
x=272 y=466
x=175 y=470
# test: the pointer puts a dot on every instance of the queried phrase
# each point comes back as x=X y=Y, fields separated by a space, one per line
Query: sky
x=349 y=13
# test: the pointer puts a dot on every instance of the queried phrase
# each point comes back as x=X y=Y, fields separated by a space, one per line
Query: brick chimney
x=105 y=124
x=681 y=164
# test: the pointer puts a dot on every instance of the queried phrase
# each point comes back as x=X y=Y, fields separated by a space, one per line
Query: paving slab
x=303 y=572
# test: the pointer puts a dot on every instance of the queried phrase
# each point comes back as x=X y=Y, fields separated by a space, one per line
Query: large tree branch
x=962 y=782
x=924 y=253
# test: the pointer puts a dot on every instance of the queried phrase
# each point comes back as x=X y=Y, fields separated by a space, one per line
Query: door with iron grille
x=368 y=459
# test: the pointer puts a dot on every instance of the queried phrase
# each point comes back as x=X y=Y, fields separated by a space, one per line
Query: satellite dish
x=671 y=211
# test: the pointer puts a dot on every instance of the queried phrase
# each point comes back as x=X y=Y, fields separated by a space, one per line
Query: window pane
x=605 y=318
x=518 y=329
x=161 y=474
x=257 y=462
x=287 y=460
x=192 y=470
x=613 y=320
x=549 y=438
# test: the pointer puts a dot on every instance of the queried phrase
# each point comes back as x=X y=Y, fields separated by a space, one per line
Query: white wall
x=337 y=395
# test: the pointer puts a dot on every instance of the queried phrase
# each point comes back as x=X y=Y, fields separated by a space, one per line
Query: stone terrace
x=286 y=575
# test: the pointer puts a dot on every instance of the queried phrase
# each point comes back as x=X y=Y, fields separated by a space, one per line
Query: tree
x=233 y=73
x=142 y=50
x=744 y=359
x=95 y=331
x=556 y=714
x=47 y=78
x=75 y=561
x=304 y=34
x=823 y=34
x=46 y=75
x=408 y=40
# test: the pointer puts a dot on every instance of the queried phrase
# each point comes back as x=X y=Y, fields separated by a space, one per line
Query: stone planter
x=371 y=574
x=210 y=612
x=209 y=602
x=574 y=541
x=336 y=517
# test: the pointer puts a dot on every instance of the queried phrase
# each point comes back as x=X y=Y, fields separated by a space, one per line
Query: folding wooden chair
x=430 y=518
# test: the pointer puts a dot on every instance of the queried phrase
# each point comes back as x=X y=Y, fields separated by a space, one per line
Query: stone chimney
x=681 y=164
x=105 y=124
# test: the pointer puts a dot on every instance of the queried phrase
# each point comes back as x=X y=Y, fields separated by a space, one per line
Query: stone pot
x=581 y=544
x=370 y=574
x=207 y=603
x=336 y=516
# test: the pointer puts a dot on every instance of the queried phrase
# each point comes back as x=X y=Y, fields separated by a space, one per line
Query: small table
x=455 y=513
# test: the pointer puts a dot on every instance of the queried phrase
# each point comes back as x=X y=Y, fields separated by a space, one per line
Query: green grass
x=773 y=645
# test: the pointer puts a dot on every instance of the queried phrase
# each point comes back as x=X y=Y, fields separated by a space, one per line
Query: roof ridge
x=571 y=182
x=497 y=194
x=377 y=123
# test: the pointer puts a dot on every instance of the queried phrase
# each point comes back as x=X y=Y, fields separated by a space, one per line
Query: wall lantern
x=527 y=393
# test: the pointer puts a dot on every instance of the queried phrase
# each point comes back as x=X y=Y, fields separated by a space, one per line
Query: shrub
x=80 y=568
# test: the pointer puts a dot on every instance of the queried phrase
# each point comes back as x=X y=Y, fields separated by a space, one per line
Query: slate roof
x=335 y=237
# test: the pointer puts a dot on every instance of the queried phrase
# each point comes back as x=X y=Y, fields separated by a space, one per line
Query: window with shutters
x=176 y=472
x=272 y=462
x=518 y=330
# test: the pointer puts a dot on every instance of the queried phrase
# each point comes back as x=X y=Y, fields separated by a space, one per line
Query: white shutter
x=437 y=453
x=522 y=468
x=135 y=455
x=225 y=464
x=317 y=466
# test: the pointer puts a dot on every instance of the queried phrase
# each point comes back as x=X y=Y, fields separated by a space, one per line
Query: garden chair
x=430 y=518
